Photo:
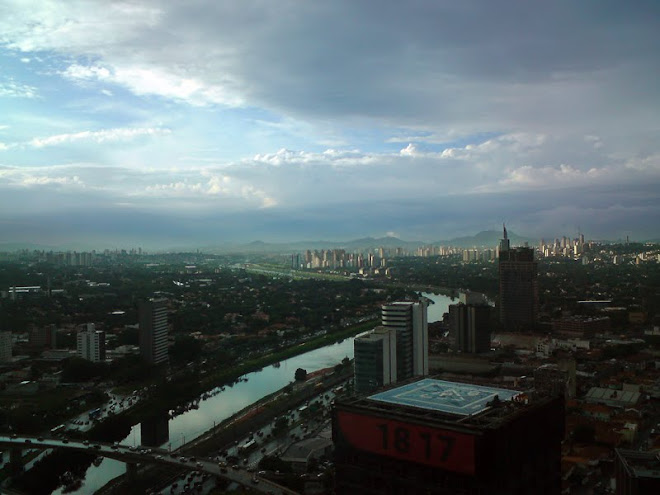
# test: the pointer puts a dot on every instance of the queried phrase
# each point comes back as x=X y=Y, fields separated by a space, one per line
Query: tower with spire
x=504 y=242
x=518 y=272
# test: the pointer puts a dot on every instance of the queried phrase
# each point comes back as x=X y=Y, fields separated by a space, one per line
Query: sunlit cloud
x=102 y=136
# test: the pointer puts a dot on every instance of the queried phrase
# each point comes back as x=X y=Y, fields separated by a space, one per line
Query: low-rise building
x=300 y=453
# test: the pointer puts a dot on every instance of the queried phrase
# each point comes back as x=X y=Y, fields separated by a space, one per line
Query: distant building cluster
x=373 y=258
x=475 y=254
x=563 y=247
x=82 y=258
x=338 y=258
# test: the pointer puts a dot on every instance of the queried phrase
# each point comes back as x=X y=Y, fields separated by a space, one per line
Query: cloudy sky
x=204 y=121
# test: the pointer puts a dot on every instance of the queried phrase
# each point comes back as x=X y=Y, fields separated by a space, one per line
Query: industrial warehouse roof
x=448 y=397
x=616 y=398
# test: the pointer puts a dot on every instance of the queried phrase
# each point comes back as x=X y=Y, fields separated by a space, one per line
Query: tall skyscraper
x=375 y=359
x=153 y=331
x=469 y=323
x=91 y=344
x=410 y=321
x=519 y=294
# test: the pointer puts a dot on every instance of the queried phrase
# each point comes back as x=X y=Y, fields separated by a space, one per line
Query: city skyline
x=201 y=123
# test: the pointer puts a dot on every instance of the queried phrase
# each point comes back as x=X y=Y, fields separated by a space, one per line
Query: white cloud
x=27 y=178
x=544 y=177
x=36 y=180
x=11 y=89
x=106 y=135
x=646 y=163
x=154 y=80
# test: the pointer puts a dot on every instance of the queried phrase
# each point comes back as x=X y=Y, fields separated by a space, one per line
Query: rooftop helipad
x=448 y=397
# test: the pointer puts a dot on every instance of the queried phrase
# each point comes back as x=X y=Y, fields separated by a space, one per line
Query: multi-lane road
x=141 y=455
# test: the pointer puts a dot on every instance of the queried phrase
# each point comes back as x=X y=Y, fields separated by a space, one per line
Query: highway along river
x=221 y=404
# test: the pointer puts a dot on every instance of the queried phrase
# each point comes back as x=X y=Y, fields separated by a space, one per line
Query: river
x=224 y=404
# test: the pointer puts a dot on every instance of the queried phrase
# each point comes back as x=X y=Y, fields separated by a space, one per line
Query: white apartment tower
x=153 y=331
x=91 y=344
x=410 y=321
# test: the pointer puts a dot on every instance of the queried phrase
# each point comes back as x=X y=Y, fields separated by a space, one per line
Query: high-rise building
x=410 y=321
x=519 y=294
x=550 y=380
x=469 y=323
x=153 y=331
x=43 y=336
x=637 y=473
x=375 y=359
x=91 y=344
x=439 y=437
x=6 y=340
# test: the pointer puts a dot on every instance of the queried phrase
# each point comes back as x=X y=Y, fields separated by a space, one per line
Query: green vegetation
x=300 y=375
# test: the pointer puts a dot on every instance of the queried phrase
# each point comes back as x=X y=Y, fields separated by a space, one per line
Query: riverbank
x=251 y=418
x=228 y=376
x=221 y=378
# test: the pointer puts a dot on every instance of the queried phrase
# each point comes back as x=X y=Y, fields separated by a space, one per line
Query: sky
x=201 y=122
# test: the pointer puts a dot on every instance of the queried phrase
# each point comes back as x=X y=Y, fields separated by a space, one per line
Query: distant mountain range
x=487 y=238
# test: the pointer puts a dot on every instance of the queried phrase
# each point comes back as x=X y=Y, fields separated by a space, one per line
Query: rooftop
x=455 y=398
x=621 y=398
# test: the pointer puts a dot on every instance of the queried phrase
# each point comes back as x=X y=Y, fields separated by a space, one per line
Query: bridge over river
x=134 y=456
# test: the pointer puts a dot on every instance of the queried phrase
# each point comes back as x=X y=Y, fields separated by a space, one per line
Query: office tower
x=469 y=323
x=375 y=359
x=519 y=300
x=6 y=340
x=410 y=321
x=153 y=331
x=439 y=437
x=91 y=344
x=43 y=336
x=550 y=380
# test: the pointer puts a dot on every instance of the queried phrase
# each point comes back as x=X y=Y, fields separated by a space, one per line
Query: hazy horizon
x=154 y=123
